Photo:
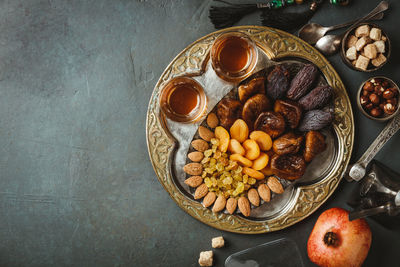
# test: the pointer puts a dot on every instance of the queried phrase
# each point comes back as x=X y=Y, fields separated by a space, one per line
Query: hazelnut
x=376 y=112
x=381 y=106
x=365 y=93
x=369 y=106
x=377 y=90
x=374 y=98
x=388 y=94
x=389 y=108
x=395 y=91
x=368 y=86
x=364 y=100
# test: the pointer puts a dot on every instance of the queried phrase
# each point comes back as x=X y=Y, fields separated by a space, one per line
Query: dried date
x=278 y=82
x=253 y=107
x=290 y=110
x=270 y=122
x=287 y=144
x=317 y=98
x=315 y=120
x=228 y=110
x=288 y=166
x=302 y=82
x=315 y=144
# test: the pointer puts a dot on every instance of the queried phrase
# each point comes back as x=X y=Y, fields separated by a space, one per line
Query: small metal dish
x=385 y=117
x=344 y=48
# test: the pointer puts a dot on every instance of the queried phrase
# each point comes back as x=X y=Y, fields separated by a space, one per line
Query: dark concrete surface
x=76 y=184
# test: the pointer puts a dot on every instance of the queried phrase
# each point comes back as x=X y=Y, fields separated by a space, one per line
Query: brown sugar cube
x=380 y=46
x=351 y=53
x=362 y=31
x=375 y=34
x=363 y=41
x=351 y=41
x=370 y=51
x=218 y=242
x=362 y=62
x=379 y=60
x=206 y=258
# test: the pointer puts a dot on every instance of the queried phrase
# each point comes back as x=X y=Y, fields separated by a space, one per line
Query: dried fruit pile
x=270 y=132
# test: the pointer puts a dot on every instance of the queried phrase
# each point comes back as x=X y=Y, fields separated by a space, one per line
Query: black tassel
x=226 y=16
x=287 y=21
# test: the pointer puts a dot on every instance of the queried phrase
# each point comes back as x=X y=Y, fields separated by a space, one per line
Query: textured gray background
x=76 y=184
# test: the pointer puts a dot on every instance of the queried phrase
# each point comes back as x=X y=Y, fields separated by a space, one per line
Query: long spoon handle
x=357 y=170
x=379 y=16
x=382 y=6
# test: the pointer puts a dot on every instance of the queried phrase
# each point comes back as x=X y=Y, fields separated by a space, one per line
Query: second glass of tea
x=233 y=56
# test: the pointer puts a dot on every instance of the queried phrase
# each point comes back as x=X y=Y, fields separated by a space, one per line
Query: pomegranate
x=335 y=241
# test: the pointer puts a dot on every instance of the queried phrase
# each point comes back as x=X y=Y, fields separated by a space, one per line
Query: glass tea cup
x=183 y=99
x=233 y=56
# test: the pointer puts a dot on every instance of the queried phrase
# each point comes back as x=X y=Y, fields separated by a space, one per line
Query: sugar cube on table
x=375 y=34
x=380 y=46
x=362 y=62
x=362 y=31
x=206 y=258
x=379 y=60
x=351 y=53
x=217 y=242
x=370 y=51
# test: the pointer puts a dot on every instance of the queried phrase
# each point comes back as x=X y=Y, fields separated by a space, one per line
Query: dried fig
x=302 y=82
x=288 y=166
x=278 y=82
x=253 y=107
x=228 y=110
x=315 y=120
x=270 y=122
x=253 y=87
x=317 y=98
x=287 y=144
x=290 y=110
x=315 y=144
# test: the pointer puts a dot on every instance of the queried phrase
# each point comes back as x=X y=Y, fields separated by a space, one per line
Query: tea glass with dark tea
x=233 y=56
x=183 y=100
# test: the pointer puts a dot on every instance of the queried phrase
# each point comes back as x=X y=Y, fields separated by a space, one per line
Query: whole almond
x=244 y=206
x=212 y=120
x=275 y=185
x=200 y=145
x=253 y=197
x=209 y=199
x=231 y=205
x=264 y=192
x=206 y=134
x=194 y=181
x=219 y=204
x=196 y=156
x=193 y=168
x=201 y=191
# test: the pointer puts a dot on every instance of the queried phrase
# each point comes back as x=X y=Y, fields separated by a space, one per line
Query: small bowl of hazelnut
x=365 y=47
x=378 y=98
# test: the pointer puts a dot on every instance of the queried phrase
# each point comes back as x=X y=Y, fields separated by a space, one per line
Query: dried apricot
x=252 y=149
x=241 y=160
x=263 y=140
x=261 y=162
x=223 y=136
x=235 y=147
x=253 y=173
x=239 y=130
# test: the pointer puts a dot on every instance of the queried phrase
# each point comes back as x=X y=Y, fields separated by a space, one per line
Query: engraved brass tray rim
x=282 y=45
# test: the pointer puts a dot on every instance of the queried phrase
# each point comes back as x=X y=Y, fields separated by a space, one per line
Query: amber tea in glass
x=233 y=56
x=182 y=99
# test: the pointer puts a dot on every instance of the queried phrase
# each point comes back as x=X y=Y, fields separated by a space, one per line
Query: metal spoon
x=312 y=32
x=329 y=44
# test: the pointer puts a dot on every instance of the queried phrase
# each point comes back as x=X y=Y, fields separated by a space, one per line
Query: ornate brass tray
x=169 y=141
